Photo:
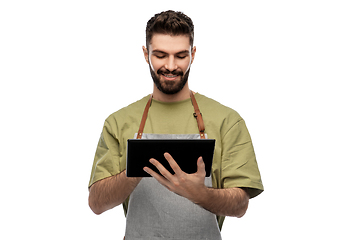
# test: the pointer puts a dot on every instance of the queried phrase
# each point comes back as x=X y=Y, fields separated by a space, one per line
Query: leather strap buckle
x=195 y=115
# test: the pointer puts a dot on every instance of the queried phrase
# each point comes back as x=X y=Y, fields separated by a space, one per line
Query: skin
x=111 y=192
x=223 y=202
x=171 y=54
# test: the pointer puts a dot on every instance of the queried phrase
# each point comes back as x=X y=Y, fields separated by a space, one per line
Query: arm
x=222 y=202
x=111 y=192
x=228 y=202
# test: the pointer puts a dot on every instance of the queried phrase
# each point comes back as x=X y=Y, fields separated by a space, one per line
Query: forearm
x=111 y=192
x=225 y=202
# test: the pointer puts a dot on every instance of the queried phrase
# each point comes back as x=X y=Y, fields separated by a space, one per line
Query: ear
x=146 y=54
x=193 y=54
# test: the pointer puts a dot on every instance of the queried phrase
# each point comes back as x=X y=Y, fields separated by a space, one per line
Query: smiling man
x=170 y=61
x=179 y=205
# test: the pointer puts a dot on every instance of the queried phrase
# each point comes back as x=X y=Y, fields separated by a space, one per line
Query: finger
x=173 y=163
x=201 y=167
x=155 y=175
x=161 y=168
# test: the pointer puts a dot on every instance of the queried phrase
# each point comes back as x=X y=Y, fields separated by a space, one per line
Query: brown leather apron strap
x=143 y=120
x=197 y=115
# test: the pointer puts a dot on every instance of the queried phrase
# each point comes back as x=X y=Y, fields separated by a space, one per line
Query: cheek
x=155 y=64
x=186 y=66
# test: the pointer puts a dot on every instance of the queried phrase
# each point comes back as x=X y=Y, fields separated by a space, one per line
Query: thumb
x=201 y=166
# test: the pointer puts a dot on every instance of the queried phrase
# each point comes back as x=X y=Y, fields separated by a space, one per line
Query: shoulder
x=125 y=114
x=215 y=109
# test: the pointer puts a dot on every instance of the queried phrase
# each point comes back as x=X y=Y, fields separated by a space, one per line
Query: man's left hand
x=190 y=186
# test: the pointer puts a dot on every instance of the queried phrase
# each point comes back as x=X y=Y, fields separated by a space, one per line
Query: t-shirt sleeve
x=107 y=156
x=239 y=165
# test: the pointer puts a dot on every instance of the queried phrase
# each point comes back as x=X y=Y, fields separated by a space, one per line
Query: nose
x=171 y=64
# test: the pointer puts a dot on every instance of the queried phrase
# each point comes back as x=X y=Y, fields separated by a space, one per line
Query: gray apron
x=156 y=213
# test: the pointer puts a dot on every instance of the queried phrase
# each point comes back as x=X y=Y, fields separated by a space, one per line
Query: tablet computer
x=184 y=151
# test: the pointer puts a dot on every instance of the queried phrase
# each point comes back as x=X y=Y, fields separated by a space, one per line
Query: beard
x=166 y=86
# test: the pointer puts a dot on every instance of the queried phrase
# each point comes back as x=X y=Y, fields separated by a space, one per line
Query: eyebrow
x=162 y=52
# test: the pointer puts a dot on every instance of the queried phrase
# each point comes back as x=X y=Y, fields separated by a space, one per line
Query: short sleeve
x=107 y=156
x=239 y=165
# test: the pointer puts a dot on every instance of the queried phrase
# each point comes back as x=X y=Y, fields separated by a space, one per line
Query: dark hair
x=172 y=23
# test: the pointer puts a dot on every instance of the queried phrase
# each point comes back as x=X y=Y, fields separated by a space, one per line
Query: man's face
x=169 y=58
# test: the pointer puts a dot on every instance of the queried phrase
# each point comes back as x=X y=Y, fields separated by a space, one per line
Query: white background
x=290 y=68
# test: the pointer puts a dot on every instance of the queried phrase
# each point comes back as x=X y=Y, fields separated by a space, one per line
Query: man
x=180 y=205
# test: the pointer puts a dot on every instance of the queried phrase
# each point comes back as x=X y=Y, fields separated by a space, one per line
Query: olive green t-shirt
x=234 y=163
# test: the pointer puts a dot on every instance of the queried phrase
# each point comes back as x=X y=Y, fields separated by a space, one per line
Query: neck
x=180 y=96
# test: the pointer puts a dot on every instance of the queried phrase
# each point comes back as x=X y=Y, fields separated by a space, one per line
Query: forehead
x=170 y=44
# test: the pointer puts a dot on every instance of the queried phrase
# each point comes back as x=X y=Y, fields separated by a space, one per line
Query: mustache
x=175 y=72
